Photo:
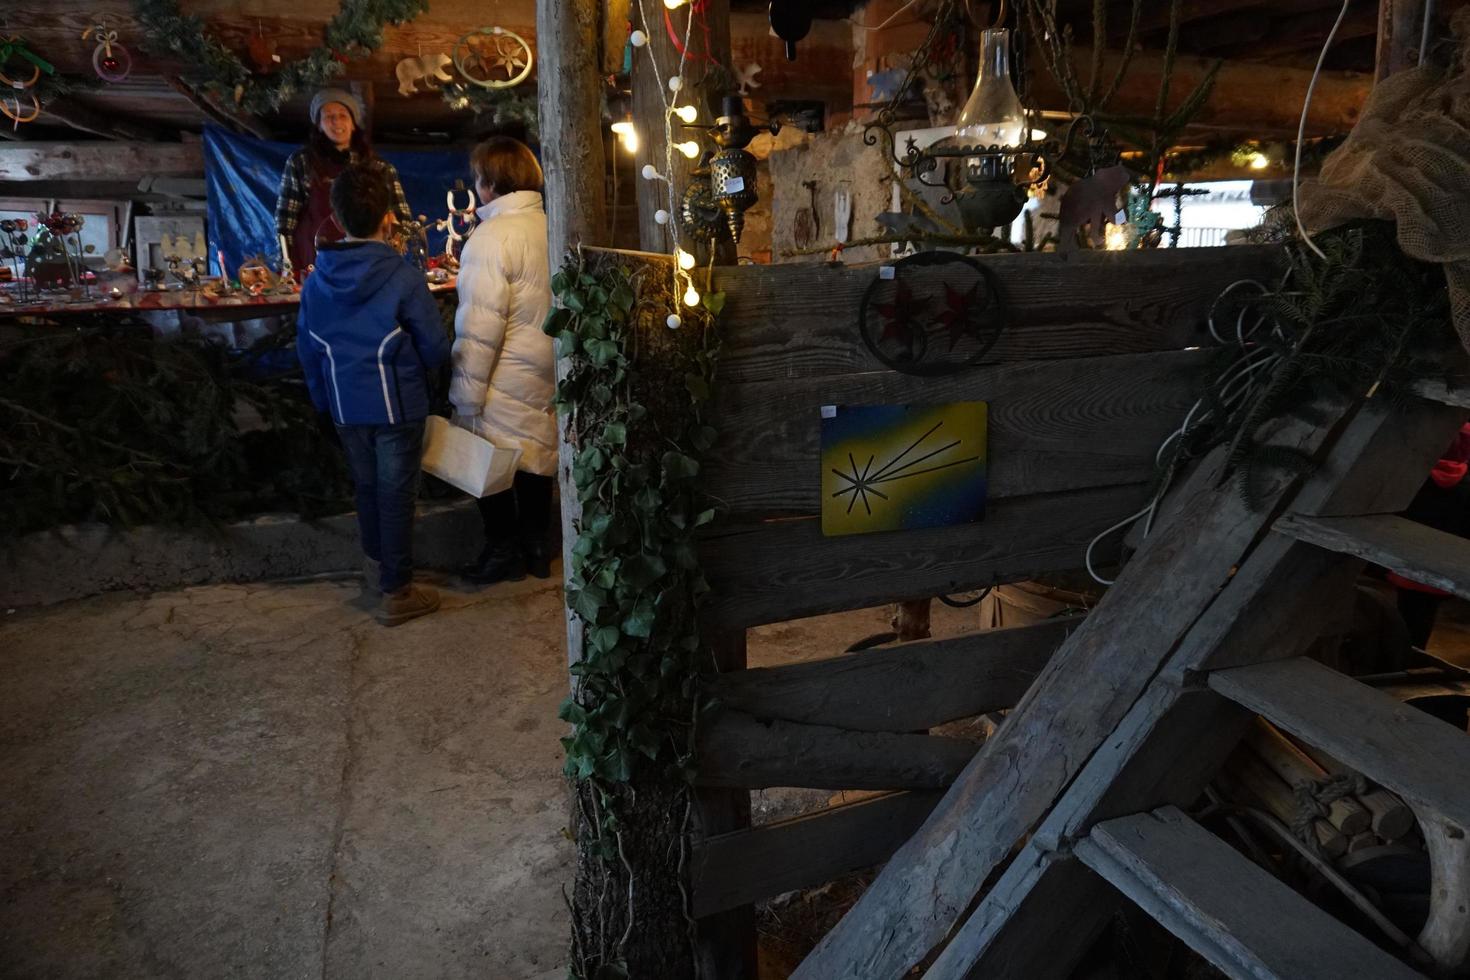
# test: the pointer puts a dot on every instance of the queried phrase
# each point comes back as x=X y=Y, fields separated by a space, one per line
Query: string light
x=650 y=172
x=676 y=82
x=685 y=260
x=674 y=4
x=687 y=113
x=1259 y=161
x=689 y=148
x=691 y=296
x=638 y=39
x=660 y=217
x=673 y=321
x=627 y=135
x=1115 y=239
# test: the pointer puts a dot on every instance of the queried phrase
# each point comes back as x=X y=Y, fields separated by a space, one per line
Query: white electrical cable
x=1301 y=132
x=890 y=20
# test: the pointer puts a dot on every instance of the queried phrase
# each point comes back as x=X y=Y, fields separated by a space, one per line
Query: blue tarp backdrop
x=242 y=175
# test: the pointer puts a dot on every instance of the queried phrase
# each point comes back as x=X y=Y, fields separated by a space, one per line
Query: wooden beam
x=99 y=161
x=1301 y=32
x=769 y=572
x=750 y=865
x=1415 y=551
x=100 y=123
x=1247 y=98
x=903 y=688
x=1399 y=26
x=741 y=751
x=1238 y=915
x=1053 y=425
x=236 y=121
x=783 y=322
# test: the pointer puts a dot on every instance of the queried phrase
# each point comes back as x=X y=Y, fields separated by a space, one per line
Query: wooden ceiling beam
x=108 y=126
x=1248 y=99
x=99 y=161
x=232 y=119
x=1302 y=32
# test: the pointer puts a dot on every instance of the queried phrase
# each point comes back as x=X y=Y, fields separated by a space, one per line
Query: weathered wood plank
x=794 y=321
x=1419 y=553
x=99 y=161
x=749 y=865
x=779 y=570
x=1416 y=755
x=902 y=688
x=741 y=751
x=1237 y=915
x=1053 y=425
x=1089 y=687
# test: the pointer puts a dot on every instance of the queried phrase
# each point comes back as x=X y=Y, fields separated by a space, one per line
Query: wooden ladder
x=1138 y=710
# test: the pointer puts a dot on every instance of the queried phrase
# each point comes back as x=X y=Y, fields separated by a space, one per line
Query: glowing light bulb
x=1115 y=239
x=687 y=113
x=627 y=135
x=649 y=173
x=675 y=83
x=691 y=297
x=993 y=115
x=689 y=148
x=685 y=260
x=660 y=217
x=1259 y=161
x=673 y=321
x=638 y=39
x=675 y=4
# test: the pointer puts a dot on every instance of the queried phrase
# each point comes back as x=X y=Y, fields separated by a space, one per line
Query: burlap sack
x=1408 y=161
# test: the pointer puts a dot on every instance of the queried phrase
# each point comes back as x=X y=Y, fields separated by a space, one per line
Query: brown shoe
x=407 y=603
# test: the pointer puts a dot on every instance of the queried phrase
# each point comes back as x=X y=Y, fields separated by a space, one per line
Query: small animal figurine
x=428 y=68
x=745 y=78
x=1091 y=201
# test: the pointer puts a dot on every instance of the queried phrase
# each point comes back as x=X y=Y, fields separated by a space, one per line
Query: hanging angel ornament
x=110 y=60
x=494 y=57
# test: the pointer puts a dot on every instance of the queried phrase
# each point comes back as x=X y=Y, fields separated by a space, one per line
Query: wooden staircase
x=1077 y=796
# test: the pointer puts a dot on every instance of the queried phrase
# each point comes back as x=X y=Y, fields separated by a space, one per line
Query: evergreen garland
x=356 y=30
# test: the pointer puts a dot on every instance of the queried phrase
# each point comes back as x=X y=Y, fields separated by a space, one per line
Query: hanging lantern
x=732 y=171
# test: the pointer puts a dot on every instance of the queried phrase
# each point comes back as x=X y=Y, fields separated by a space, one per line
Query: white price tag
x=885 y=272
x=734 y=185
x=829 y=411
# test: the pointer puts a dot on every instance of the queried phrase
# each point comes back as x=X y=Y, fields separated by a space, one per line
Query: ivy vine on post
x=635 y=405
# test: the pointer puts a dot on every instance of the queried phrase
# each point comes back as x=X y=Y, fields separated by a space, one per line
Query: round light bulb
x=675 y=83
x=661 y=217
x=627 y=135
x=685 y=260
x=649 y=173
x=1259 y=161
x=689 y=148
x=687 y=113
x=638 y=39
x=691 y=297
x=673 y=321
x=674 y=4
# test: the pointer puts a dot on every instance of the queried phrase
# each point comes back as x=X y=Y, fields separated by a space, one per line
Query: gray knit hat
x=329 y=95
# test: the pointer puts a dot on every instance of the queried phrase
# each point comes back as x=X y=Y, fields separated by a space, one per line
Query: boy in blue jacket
x=368 y=336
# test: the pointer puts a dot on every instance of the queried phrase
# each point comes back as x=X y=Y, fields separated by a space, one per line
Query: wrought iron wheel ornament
x=932 y=325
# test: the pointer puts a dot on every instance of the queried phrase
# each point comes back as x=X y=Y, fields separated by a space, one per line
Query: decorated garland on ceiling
x=355 y=31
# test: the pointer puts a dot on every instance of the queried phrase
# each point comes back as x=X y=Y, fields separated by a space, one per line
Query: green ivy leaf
x=677 y=466
x=641 y=571
x=703 y=438
x=714 y=302
x=572 y=712
x=615 y=433
x=604 y=638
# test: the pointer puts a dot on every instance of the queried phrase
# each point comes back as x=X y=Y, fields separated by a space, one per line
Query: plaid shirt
x=296 y=184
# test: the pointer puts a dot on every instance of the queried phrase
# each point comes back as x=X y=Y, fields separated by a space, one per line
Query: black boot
x=538 y=558
x=499 y=562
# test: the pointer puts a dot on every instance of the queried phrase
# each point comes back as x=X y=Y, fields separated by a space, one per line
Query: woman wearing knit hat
x=303 y=208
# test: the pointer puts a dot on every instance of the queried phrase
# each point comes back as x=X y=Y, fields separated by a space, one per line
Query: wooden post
x=708 y=57
x=1399 y=26
x=569 y=91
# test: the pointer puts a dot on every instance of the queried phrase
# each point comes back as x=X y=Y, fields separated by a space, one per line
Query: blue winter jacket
x=368 y=335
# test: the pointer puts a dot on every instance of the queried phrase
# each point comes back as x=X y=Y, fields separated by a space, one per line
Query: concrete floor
x=261 y=782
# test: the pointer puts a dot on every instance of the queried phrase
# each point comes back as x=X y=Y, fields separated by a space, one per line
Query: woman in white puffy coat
x=504 y=364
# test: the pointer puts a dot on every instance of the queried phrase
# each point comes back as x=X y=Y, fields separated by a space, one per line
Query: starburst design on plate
x=863 y=484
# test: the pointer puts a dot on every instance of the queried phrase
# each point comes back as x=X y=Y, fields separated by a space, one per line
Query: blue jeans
x=384 y=460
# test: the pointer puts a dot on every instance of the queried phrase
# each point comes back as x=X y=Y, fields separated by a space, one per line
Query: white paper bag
x=464 y=460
